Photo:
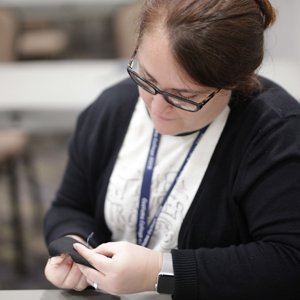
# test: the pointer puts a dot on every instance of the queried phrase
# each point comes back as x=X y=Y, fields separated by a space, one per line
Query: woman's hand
x=123 y=268
x=62 y=272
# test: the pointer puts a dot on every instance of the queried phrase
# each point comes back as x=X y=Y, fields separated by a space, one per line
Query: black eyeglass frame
x=156 y=90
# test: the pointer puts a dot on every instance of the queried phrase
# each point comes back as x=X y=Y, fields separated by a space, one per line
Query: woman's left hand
x=122 y=267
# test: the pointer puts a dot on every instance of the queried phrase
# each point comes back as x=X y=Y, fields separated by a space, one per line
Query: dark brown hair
x=219 y=43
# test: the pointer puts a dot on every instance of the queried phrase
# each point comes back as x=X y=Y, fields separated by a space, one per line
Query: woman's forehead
x=156 y=59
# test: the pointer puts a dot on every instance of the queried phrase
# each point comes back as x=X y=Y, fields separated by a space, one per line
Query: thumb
x=106 y=249
x=100 y=262
x=58 y=260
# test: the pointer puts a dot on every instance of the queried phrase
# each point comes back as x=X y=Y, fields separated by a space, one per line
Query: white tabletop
x=73 y=84
x=53 y=295
x=59 y=85
x=47 y=96
x=73 y=295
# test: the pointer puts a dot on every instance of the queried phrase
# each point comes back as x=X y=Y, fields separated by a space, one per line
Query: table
x=73 y=84
x=54 y=295
x=72 y=295
x=48 y=95
x=63 y=85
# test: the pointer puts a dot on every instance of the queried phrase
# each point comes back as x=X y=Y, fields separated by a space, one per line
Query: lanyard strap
x=144 y=230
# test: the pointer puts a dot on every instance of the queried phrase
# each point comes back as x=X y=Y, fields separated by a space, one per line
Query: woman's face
x=157 y=65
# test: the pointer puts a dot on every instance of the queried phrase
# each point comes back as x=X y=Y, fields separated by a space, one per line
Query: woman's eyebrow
x=187 y=91
x=148 y=74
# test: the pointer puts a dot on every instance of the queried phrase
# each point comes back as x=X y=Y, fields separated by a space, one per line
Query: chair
x=8 y=30
x=30 y=39
x=42 y=43
x=125 y=24
x=14 y=151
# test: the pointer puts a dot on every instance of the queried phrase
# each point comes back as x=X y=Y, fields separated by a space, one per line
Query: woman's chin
x=165 y=130
x=166 y=126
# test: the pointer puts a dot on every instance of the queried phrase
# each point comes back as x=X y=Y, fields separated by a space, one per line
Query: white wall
x=282 y=55
x=283 y=39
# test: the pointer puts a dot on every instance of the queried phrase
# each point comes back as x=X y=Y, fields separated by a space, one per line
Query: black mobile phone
x=64 y=245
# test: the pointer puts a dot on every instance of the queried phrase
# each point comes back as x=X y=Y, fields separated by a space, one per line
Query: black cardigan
x=241 y=236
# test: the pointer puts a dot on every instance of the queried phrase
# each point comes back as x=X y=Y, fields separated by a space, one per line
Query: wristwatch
x=165 y=283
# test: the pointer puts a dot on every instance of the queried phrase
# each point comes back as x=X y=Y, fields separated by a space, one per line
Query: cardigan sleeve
x=267 y=192
x=78 y=207
x=72 y=210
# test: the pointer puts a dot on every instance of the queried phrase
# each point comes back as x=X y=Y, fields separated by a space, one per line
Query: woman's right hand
x=62 y=272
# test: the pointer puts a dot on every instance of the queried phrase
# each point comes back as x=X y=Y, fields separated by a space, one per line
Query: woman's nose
x=159 y=103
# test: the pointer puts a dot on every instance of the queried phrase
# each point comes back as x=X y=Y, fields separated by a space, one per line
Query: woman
x=190 y=169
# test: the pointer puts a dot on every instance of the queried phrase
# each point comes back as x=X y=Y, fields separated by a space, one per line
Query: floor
x=50 y=153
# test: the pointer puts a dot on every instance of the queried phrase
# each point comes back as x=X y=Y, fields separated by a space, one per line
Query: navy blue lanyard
x=144 y=230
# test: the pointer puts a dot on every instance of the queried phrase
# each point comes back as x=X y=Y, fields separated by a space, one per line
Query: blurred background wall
x=282 y=55
x=55 y=57
x=283 y=39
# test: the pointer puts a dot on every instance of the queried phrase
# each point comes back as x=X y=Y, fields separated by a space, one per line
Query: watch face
x=165 y=284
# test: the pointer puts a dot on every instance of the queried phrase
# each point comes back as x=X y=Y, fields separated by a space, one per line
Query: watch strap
x=165 y=283
x=167 y=264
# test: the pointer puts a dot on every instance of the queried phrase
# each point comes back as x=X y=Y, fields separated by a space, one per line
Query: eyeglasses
x=177 y=101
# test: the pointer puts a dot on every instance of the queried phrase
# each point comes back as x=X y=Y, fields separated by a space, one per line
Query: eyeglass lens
x=171 y=100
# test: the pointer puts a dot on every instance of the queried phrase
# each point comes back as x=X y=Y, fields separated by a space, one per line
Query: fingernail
x=76 y=246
